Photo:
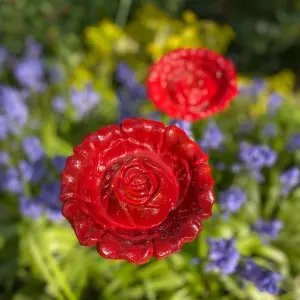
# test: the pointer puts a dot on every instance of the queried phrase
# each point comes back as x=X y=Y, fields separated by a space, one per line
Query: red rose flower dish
x=192 y=84
x=137 y=190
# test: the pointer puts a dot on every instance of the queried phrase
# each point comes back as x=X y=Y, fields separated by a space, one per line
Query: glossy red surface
x=192 y=84
x=137 y=190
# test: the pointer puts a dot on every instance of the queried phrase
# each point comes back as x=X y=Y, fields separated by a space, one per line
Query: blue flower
x=3 y=128
x=30 y=73
x=265 y=280
x=33 y=172
x=153 y=116
x=130 y=94
x=4 y=157
x=59 y=104
x=33 y=148
x=274 y=103
x=30 y=208
x=267 y=229
x=294 y=142
x=128 y=104
x=84 y=100
x=13 y=108
x=10 y=181
x=213 y=137
x=47 y=203
x=186 y=126
x=289 y=180
x=59 y=163
x=126 y=76
x=256 y=157
x=223 y=256
x=269 y=130
x=254 y=89
x=231 y=200
x=258 y=85
x=49 y=199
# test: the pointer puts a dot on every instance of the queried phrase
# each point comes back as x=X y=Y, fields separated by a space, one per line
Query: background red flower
x=192 y=84
x=137 y=190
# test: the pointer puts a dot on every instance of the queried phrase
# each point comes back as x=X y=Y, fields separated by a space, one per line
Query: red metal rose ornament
x=192 y=84
x=137 y=190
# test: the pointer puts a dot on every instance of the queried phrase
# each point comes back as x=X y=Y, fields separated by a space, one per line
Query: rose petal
x=112 y=247
x=146 y=132
x=206 y=200
x=87 y=233
x=175 y=237
x=75 y=166
x=99 y=140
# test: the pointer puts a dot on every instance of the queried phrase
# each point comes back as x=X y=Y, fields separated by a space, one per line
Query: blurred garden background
x=68 y=67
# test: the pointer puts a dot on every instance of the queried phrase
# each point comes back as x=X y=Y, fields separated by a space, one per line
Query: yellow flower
x=110 y=29
x=283 y=82
x=189 y=16
x=173 y=42
x=103 y=37
x=190 y=32
x=80 y=77
x=155 y=50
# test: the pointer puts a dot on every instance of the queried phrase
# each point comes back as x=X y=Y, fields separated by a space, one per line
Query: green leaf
x=273 y=194
x=232 y=286
x=253 y=202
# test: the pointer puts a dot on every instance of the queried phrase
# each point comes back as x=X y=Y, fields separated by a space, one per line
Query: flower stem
x=123 y=12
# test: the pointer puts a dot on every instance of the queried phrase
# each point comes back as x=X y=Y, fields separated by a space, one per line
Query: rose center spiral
x=136 y=184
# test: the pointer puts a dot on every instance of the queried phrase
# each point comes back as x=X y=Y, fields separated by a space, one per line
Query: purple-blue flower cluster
x=254 y=89
x=257 y=157
x=269 y=130
x=33 y=148
x=223 y=256
x=4 y=158
x=30 y=70
x=42 y=193
x=213 y=137
x=265 y=280
x=13 y=111
x=294 y=142
x=289 y=180
x=231 y=200
x=59 y=104
x=32 y=172
x=83 y=101
x=274 y=103
x=130 y=93
x=10 y=180
x=47 y=202
x=267 y=230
